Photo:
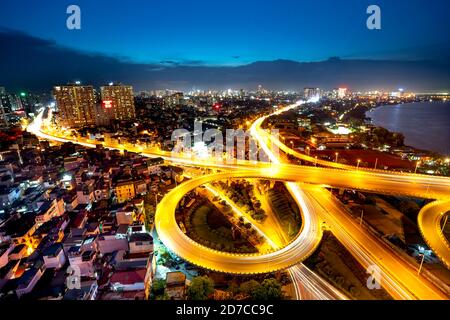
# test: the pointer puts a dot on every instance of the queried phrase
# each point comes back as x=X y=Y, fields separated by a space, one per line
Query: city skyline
x=52 y=64
x=224 y=155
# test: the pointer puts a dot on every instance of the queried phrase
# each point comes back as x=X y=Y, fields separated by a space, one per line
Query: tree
x=158 y=286
x=270 y=289
x=201 y=287
x=248 y=287
x=233 y=288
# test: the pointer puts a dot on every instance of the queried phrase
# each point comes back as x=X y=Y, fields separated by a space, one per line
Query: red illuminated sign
x=107 y=104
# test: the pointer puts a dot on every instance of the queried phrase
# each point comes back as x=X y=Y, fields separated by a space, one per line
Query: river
x=426 y=125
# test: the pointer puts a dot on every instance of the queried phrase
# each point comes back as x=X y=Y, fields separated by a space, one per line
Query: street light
x=417 y=165
x=307 y=149
x=357 y=165
x=445 y=222
x=421 y=263
x=337 y=153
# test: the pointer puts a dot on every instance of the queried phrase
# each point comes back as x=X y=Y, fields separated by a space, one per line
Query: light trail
x=429 y=221
x=397 y=276
x=431 y=187
x=171 y=235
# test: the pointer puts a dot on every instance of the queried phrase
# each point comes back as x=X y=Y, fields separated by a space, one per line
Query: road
x=398 y=277
x=399 y=280
x=429 y=221
x=172 y=236
x=429 y=218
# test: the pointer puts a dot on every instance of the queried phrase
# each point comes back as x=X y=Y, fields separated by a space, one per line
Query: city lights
x=210 y=159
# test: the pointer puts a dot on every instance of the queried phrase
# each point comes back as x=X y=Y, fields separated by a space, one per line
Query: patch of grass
x=211 y=229
x=286 y=209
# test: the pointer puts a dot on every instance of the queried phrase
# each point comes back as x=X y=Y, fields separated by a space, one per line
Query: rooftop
x=128 y=276
x=53 y=250
x=143 y=236
x=175 y=278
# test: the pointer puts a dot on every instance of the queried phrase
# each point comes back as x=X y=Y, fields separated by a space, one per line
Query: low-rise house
x=8 y=195
x=54 y=256
x=176 y=285
x=18 y=252
x=128 y=280
x=28 y=280
x=125 y=191
x=125 y=215
x=124 y=260
x=140 y=242
x=21 y=228
x=140 y=187
x=48 y=210
x=85 y=192
x=8 y=271
x=154 y=165
x=5 y=249
x=82 y=261
x=71 y=201
x=88 y=291
x=110 y=243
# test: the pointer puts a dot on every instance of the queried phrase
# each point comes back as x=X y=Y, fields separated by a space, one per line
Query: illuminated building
x=342 y=92
x=3 y=113
x=5 y=107
x=173 y=100
x=125 y=191
x=120 y=100
x=76 y=105
x=311 y=93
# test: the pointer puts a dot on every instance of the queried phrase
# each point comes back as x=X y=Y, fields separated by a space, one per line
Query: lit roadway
x=429 y=220
x=425 y=186
x=172 y=236
x=399 y=277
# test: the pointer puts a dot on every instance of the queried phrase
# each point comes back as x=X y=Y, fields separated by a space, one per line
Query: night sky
x=224 y=33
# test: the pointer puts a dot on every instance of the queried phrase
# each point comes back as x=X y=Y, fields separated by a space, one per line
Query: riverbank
x=425 y=125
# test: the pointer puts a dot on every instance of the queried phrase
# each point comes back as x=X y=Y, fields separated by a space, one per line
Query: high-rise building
x=311 y=93
x=5 y=107
x=342 y=92
x=120 y=100
x=174 y=99
x=3 y=119
x=76 y=105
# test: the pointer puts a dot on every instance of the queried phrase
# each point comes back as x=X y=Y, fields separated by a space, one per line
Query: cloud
x=170 y=62
x=36 y=64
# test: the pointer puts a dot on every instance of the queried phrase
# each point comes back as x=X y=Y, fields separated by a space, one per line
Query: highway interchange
x=306 y=185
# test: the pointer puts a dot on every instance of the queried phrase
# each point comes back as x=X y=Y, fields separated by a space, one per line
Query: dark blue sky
x=236 y=32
